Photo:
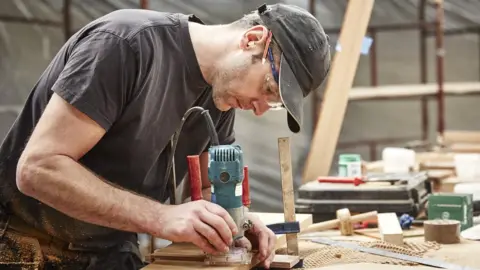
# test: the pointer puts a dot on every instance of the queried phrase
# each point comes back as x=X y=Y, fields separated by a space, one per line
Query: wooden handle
x=364 y=216
x=322 y=226
x=331 y=224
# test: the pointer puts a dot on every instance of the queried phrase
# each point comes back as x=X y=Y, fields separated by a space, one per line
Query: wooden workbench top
x=465 y=253
x=188 y=250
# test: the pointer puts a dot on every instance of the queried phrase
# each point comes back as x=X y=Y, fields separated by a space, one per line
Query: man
x=83 y=167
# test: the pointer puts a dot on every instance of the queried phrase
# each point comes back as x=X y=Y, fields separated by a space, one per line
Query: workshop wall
x=25 y=50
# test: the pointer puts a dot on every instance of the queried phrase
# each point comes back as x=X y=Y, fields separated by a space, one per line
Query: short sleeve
x=98 y=77
x=225 y=129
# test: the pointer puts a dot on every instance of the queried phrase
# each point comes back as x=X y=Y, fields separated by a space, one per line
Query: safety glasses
x=268 y=53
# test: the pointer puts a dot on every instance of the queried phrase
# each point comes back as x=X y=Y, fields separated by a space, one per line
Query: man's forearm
x=65 y=185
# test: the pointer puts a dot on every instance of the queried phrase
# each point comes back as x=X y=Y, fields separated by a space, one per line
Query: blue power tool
x=225 y=171
x=226 y=175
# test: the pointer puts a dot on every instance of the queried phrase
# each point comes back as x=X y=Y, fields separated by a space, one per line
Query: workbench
x=464 y=253
x=440 y=171
x=188 y=251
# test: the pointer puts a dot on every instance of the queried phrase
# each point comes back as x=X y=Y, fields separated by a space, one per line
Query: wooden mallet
x=344 y=222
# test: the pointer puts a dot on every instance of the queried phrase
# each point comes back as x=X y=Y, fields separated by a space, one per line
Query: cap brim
x=291 y=95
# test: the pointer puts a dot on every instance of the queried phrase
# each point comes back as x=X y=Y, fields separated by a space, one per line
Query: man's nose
x=260 y=107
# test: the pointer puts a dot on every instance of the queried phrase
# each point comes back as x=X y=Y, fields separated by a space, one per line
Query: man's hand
x=202 y=223
x=260 y=238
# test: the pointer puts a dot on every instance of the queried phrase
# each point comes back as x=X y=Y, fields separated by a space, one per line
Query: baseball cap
x=305 y=58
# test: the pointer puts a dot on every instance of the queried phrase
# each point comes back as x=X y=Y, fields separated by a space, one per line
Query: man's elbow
x=29 y=168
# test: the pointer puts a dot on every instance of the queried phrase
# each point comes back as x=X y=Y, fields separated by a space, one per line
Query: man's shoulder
x=128 y=23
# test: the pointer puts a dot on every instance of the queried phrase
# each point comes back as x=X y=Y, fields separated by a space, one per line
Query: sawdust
x=316 y=255
x=22 y=252
x=19 y=251
x=53 y=258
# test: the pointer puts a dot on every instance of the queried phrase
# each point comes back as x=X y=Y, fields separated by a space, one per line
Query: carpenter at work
x=83 y=168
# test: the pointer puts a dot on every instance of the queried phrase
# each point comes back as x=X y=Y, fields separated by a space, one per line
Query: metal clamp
x=285 y=227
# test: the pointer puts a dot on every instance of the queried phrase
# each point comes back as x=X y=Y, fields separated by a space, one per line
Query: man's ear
x=254 y=37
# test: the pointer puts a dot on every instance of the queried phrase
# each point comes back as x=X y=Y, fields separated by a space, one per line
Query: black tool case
x=403 y=193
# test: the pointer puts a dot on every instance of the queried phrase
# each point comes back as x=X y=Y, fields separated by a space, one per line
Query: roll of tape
x=442 y=231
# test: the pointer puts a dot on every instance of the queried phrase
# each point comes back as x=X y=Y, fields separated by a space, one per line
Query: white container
x=467 y=167
x=398 y=160
x=350 y=165
x=468 y=188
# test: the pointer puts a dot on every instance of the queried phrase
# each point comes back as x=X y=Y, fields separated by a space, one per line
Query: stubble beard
x=219 y=94
x=221 y=83
x=221 y=87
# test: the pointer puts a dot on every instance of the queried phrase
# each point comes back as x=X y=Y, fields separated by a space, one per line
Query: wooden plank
x=448 y=185
x=339 y=83
x=188 y=266
x=185 y=251
x=279 y=261
x=464 y=148
x=193 y=256
x=390 y=229
x=407 y=91
x=459 y=136
x=284 y=261
x=287 y=191
x=434 y=157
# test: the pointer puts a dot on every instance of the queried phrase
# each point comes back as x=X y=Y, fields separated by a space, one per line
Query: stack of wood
x=459 y=141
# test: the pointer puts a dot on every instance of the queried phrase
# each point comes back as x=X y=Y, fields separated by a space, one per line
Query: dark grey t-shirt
x=135 y=73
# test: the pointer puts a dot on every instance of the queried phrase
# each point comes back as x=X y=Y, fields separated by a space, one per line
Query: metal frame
x=426 y=29
x=65 y=24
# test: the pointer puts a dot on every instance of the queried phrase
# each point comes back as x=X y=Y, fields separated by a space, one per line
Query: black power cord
x=171 y=161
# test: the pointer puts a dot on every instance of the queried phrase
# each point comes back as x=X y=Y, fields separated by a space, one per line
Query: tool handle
x=245 y=188
x=341 y=180
x=322 y=226
x=346 y=181
x=364 y=216
x=195 y=177
x=285 y=227
x=337 y=178
x=334 y=223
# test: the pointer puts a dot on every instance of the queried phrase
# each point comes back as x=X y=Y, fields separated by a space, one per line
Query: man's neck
x=211 y=43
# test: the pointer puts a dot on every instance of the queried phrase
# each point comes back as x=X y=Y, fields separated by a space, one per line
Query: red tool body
x=195 y=177
x=245 y=188
x=341 y=180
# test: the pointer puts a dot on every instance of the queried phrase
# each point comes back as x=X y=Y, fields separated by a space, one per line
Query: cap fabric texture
x=305 y=59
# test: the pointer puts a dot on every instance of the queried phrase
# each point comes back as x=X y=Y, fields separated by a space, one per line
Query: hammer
x=344 y=221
